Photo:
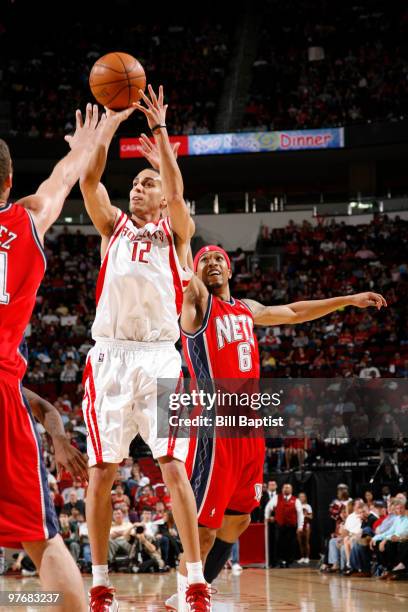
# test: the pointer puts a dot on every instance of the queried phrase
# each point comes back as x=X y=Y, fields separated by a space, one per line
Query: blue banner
x=260 y=142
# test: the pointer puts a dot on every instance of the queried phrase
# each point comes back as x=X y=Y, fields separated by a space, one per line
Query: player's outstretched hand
x=85 y=129
x=155 y=109
x=70 y=459
x=150 y=151
x=369 y=298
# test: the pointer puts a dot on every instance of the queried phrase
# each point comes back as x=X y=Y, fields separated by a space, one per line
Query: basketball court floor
x=254 y=590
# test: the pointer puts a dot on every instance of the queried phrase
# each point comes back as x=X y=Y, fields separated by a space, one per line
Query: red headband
x=206 y=249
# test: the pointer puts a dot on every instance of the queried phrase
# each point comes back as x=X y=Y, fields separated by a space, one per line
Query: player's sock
x=182 y=586
x=195 y=572
x=216 y=559
x=100 y=575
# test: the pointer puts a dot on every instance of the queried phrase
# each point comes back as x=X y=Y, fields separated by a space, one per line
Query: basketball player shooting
x=27 y=515
x=139 y=296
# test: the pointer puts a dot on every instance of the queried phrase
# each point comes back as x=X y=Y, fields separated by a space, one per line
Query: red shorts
x=226 y=474
x=26 y=511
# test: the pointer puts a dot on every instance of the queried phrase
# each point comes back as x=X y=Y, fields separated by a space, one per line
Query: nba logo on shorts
x=258 y=491
x=101 y=357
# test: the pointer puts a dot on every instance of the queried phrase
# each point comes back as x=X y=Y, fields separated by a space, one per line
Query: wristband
x=157 y=127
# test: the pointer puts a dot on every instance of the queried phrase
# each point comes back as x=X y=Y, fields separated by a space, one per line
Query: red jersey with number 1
x=22 y=267
x=225 y=346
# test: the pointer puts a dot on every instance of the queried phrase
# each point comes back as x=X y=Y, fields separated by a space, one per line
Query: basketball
x=115 y=80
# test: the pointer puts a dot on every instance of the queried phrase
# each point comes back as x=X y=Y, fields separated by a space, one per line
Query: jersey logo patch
x=101 y=357
x=258 y=491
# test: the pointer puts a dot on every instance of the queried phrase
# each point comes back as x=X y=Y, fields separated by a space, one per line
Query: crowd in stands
x=369 y=536
x=45 y=86
x=325 y=63
x=306 y=74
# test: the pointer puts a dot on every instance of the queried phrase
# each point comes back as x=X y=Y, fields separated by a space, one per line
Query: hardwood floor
x=255 y=590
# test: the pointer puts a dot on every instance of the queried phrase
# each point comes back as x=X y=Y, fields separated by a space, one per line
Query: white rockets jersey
x=139 y=292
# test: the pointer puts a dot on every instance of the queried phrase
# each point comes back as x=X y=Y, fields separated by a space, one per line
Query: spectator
x=74 y=503
x=69 y=534
x=119 y=536
x=338 y=434
x=119 y=499
x=269 y=513
x=335 y=543
x=369 y=499
x=144 y=555
x=304 y=535
x=84 y=543
x=289 y=521
x=392 y=544
x=167 y=528
x=77 y=488
x=69 y=372
x=351 y=532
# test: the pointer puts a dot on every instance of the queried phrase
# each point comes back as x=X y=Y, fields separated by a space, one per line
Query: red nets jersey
x=22 y=267
x=224 y=464
x=225 y=346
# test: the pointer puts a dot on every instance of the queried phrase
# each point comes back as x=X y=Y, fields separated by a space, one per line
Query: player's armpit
x=98 y=206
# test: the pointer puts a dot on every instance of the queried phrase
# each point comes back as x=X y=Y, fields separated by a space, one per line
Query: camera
x=140 y=529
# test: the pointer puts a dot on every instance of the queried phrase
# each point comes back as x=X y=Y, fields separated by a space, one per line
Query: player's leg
x=107 y=409
x=171 y=452
x=183 y=506
x=244 y=497
x=185 y=515
x=29 y=517
x=99 y=518
x=58 y=572
x=233 y=526
x=212 y=480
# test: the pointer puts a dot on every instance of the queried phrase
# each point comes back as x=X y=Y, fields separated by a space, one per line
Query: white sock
x=100 y=575
x=195 y=572
x=182 y=585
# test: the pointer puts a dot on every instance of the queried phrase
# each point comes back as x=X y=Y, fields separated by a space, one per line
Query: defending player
x=139 y=296
x=219 y=343
x=27 y=516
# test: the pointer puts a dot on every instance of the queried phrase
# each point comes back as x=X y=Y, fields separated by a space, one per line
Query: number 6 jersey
x=225 y=346
x=22 y=267
x=139 y=292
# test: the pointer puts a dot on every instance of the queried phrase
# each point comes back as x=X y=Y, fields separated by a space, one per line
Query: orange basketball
x=115 y=80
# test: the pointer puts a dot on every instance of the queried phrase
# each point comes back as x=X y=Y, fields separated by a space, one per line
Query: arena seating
x=329 y=63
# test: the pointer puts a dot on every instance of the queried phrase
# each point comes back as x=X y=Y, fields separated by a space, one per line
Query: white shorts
x=120 y=398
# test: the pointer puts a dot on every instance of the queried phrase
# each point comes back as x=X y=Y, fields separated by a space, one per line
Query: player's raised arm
x=46 y=204
x=299 y=312
x=195 y=301
x=150 y=151
x=172 y=181
x=96 y=198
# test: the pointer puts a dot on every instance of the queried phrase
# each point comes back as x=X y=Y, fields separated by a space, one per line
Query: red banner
x=129 y=147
